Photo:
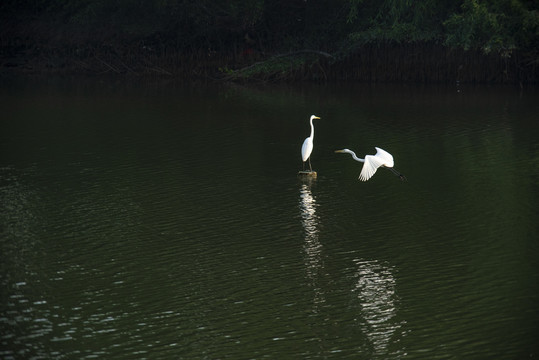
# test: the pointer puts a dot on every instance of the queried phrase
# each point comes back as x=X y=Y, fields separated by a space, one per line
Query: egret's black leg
x=401 y=176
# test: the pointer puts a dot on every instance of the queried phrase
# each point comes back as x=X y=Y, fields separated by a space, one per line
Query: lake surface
x=158 y=220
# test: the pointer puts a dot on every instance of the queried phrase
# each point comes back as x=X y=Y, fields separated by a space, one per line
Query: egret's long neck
x=312 y=129
x=356 y=158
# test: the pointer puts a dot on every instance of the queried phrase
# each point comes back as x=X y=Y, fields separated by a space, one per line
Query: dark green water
x=163 y=221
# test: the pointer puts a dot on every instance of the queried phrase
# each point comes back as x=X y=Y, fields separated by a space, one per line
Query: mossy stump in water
x=311 y=174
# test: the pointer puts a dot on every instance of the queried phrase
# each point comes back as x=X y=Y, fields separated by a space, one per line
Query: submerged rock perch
x=308 y=173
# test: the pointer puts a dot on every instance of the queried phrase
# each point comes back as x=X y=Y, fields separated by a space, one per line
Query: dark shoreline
x=275 y=41
x=418 y=63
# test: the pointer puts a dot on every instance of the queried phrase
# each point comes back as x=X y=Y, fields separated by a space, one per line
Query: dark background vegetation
x=368 y=40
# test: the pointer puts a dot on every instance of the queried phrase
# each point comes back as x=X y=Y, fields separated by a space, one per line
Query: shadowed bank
x=375 y=41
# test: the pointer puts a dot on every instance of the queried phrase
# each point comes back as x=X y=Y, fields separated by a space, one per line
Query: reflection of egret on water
x=312 y=247
x=375 y=290
x=308 y=205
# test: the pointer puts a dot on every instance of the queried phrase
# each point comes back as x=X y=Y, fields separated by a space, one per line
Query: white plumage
x=371 y=163
x=307 y=147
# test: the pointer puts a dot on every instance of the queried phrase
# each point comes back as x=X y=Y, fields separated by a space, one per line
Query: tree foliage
x=497 y=25
x=263 y=28
x=501 y=26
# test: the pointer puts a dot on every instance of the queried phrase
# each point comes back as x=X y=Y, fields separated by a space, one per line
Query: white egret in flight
x=307 y=147
x=371 y=163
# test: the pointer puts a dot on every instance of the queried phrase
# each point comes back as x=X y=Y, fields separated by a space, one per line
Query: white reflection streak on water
x=375 y=290
x=312 y=246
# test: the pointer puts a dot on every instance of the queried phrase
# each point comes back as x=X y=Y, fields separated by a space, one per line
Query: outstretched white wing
x=373 y=162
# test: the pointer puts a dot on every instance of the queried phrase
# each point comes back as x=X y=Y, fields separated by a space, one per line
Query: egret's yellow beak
x=339 y=151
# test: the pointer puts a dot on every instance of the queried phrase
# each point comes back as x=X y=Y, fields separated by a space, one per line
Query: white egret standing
x=307 y=147
x=371 y=163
